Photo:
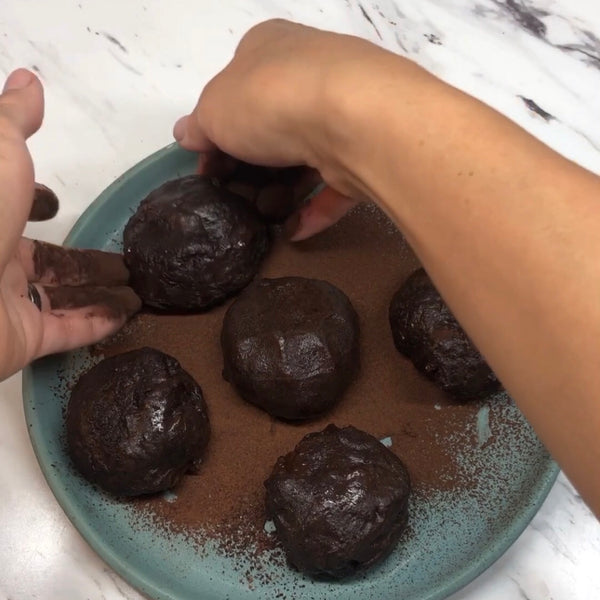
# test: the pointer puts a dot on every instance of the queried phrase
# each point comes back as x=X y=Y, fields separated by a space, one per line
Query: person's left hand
x=52 y=299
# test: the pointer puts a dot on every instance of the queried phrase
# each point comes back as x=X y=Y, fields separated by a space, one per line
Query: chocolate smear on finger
x=58 y=265
x=108 y=302
x=45 y=204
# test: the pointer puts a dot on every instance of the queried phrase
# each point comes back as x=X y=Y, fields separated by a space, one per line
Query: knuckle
x=257 y=33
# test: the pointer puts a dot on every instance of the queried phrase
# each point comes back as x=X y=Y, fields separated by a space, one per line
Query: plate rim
x=141 y=581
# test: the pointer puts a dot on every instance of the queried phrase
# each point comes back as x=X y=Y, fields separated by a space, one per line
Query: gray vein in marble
x=365 y=14
x=117 y=583
x=573 y=494
x=547 y=531
x=115 y=41
x=400 y=42
x=521 y=591
x=529 y=18
x=526 y=15
x=125 y=64
x=590 y=48
x=535 y=108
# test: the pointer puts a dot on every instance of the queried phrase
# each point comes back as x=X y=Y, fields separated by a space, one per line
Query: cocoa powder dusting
x=366 y=257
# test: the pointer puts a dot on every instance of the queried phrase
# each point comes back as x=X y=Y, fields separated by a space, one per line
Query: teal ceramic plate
x=455 y=536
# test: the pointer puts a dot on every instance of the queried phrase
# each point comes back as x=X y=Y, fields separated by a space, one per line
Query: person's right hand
x=277 y=104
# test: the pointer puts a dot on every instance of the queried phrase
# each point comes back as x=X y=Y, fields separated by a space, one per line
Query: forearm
x=509 y=232
x=507 y=229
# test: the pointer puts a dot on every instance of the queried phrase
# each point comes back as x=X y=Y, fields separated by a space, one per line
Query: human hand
x=272 y=105
x=81 y=294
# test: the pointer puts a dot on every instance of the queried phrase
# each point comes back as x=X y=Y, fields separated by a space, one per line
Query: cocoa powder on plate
x=366 y=257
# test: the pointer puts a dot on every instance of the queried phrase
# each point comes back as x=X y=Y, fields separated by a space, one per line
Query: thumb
x=21 y=112
x=22 y=103
x=190 y=136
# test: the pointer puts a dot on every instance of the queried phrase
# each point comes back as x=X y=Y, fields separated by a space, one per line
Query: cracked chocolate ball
x=136 y=423
x=190 y=245
x=426 y=332
x=339 y=502
x=290 y=346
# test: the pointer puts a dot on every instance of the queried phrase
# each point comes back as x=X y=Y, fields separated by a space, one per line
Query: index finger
x=57 y=265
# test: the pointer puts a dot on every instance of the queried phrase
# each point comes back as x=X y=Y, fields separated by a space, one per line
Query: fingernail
x=180 y=128
x=18 y=80
x=292 y=225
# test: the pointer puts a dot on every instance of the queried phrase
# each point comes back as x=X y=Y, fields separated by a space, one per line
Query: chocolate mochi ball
x=136 y=423
x=191 y=244
x=426 y=332
x=339 y=502
x=291 y=346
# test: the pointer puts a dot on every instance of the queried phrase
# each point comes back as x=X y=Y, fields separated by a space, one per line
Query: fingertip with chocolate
x=44 y=205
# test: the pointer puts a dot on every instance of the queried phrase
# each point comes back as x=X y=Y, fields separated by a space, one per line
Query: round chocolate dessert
x=136 y=423
x=339 y=502
x=290 y=346
x=190 y=245
x=427 y=333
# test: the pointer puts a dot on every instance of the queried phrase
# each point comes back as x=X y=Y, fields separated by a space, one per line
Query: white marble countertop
x=118 y=74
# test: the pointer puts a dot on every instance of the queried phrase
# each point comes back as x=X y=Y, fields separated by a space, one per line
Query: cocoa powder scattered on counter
x=366 y=257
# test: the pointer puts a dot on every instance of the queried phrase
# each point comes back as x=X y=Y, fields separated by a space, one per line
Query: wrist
x=375 y=112
x=363 y=117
